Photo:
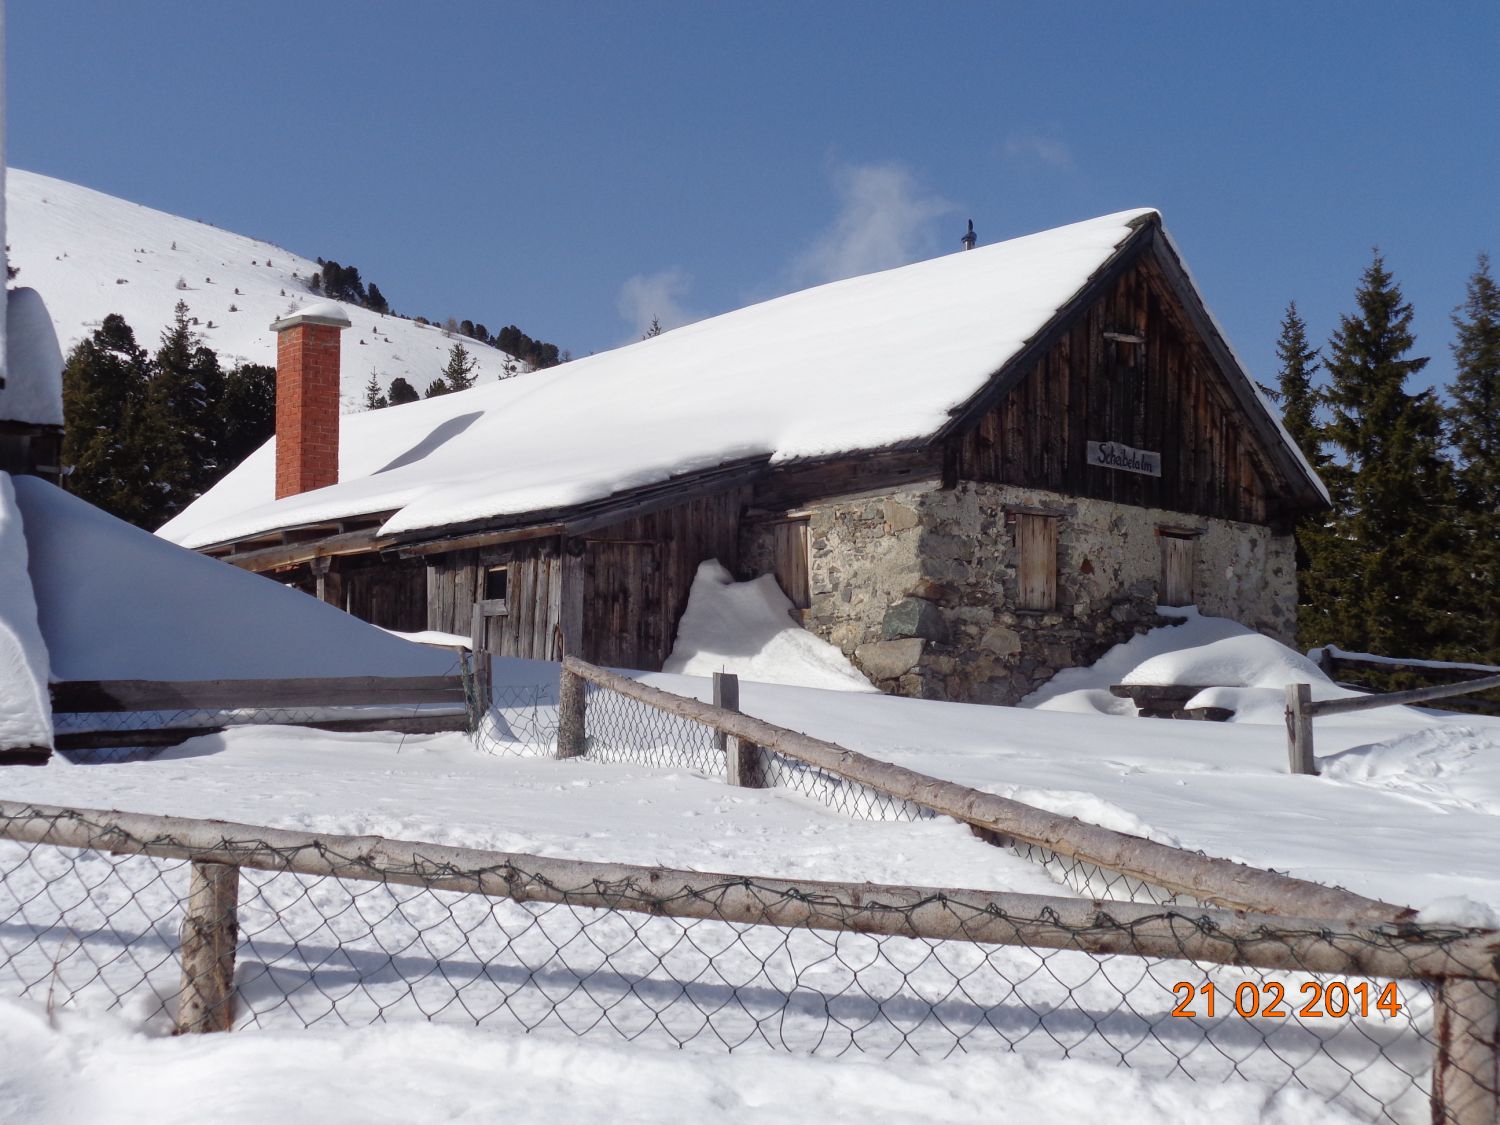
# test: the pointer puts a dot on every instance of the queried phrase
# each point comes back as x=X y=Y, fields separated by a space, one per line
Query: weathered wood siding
x=531 y=622
x=1165 y=395
x=613 y=596
x=637 y=575
x=385 y=592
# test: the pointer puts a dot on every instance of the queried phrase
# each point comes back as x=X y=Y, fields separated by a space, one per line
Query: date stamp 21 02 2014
x=1269 y=1000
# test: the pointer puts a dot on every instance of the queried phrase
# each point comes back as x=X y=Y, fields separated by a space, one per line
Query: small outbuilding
x=966 y=473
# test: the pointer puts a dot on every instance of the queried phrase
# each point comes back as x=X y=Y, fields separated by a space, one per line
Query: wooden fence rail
x=102 y=696
x=1207 y=879
x=1301 y=709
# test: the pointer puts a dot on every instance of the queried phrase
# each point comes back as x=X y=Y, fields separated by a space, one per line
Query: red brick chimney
x=307 y=397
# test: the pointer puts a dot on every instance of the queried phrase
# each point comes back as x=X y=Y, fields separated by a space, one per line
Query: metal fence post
x=1299 y=731
x=210 y=932
x=572 y=694
x=1466 y=1077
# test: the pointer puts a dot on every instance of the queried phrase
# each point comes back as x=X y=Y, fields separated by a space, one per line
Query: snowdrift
x=25 y=707
x=114 y=602
x=744 y=628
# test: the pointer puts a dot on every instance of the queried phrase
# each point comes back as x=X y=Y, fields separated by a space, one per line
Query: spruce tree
x=459 y=374
x=401 y=392
x=247 y=413
x=1385 y=582
x=437 y=387
x=183 y=425
x=374 y=398
x=105 y=384
x=1474 y=434
x=1294 y=381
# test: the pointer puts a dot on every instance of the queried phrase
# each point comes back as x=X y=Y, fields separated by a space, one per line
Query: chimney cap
x=319 y=312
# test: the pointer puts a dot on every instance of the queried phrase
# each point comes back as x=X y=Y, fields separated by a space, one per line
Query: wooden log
x=742 y=765
x=1395 y=698
x=1299 y=730
x=91 y=696
x=987 y=917
x=572 y=699
x=209 y=935
x=1216 y=881
x=1466 y=1078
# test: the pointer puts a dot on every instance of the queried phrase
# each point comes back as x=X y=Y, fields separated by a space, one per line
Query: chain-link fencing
x=199 y=925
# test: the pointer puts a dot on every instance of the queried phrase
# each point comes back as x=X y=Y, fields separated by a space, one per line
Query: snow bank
x=65 y=1068
x=1248 y=672
x=115 y=602
x=33 y=362
x=745 y=628
x=25 y=707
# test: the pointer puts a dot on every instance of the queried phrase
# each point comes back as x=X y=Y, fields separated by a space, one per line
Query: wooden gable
x=1135 y=366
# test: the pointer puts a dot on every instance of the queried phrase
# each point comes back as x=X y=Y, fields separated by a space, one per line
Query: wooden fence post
x=1466 y=1077
x=742 y=760
x=209 y=934
x=571 y=703
x=1299 y=730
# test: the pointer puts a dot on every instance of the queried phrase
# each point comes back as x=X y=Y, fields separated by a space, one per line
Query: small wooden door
x=1179 y=556
x=622 y=605
x=1036 y=566
x=790 y=561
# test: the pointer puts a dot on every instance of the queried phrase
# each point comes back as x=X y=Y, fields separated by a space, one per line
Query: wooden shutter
x=1178 y=558
x=1036 y=571
x=789 y=543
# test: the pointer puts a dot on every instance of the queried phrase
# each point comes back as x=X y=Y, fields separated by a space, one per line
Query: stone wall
x=919 y=587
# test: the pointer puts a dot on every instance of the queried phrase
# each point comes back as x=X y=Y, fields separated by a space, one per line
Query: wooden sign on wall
x=1113 y=455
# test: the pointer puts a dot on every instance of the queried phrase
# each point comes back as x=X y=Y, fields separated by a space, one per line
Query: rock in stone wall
x=919 y=588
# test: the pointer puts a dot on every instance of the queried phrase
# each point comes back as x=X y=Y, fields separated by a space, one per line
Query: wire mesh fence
x=353 y=931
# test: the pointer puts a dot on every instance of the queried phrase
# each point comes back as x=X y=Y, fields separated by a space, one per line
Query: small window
x=496 y=589
x=1036 y=566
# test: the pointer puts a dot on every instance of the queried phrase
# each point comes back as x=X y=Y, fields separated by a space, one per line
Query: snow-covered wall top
x=115 y=602
x=33 y=362
x=90 y=254
x=857 y=364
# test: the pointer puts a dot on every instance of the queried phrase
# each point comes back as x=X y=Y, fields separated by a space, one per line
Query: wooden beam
x=1204 y=878
x=469 y=542
x=210 y=932
x=1257 y=940
x=294 y=554
x=91 y=696
x=1394 y=698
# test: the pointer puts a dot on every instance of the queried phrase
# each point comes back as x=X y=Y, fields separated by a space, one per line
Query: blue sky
x=575 y=168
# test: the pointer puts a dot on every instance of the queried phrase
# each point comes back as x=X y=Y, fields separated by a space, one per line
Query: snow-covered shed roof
x=31 y=384
x=871 y=362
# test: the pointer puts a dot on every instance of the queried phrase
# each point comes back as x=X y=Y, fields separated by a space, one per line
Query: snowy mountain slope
x=90 y=255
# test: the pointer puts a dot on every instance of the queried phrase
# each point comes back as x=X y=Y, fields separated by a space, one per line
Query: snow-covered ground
x=99 y=1068
x=91 y=254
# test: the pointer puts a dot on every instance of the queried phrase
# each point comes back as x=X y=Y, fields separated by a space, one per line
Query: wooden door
x=1036 y=567
x=790 y=561
x=1179 y=554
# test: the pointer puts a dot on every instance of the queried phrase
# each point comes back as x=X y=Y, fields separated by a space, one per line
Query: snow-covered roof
x=114 y=602
x=866 y=363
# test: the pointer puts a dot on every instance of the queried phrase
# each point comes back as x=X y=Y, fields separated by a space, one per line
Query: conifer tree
x=1384 y=583
x=182 y=426
x=374 y=398
x=1474 y=434
x=437 y=387
x=105 y=383
x=1296 y=393
x=401 y=392
x=459 y=374
x=247 y=413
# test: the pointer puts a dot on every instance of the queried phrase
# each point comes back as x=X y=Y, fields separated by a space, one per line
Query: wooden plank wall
x=1165 y=395
x=530 y=625
x=386 y=592
x=637 y=575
